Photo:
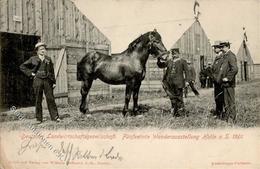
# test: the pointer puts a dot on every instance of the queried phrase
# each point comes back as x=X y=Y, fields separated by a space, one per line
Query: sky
x=124 y=20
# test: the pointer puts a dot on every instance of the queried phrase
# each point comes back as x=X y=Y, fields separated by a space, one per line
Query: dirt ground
x=154 y=113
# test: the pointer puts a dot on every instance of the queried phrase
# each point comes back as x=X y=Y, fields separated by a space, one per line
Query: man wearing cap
x=192 y=75
x=41 y=69
x=174 y=81
x=218 y=90
x=203 y=77
x=227 y=78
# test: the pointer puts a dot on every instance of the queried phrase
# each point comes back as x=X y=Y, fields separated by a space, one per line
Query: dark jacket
x=202 y=75
x=208 y=72
x=174 y=73
x=228 y=69
x=216 y=67
x=191 y=73
x=32 y=65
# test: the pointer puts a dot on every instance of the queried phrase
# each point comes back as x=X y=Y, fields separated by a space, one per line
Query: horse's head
x=156 y=47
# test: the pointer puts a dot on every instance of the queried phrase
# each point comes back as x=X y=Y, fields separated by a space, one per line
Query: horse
x=127 y=67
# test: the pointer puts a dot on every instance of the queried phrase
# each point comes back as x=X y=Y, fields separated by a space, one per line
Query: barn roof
x=180 y=28
x=243 y=53
x=192 y=40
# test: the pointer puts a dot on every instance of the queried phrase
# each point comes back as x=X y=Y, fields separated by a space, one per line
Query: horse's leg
x=128 y=93
x=135 y=96
x=84 y=93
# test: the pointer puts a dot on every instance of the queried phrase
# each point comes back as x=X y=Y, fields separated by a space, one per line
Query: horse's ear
x=151 y=36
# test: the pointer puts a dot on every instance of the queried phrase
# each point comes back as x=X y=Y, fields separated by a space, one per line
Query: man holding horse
x=174 y=81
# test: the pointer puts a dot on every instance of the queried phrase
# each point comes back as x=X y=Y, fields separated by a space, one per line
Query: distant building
x=257 y=71
x=245 y=63
x=195 y=46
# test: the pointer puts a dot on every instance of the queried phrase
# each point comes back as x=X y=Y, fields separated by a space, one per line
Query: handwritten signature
x=68 y=152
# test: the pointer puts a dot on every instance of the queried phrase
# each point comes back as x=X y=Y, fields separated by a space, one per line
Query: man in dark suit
x=218 y=89
x=227 y=78
x=203 y=77
x=174 y=81
x=41 y=69
x=192 y=75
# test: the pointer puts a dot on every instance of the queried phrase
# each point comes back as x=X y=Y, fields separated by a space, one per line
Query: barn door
x=245 y=71
x=59 y=58
x=201 y=62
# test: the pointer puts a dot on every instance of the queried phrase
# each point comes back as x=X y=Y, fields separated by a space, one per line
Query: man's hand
x=225 y=79
x=33 y=74
x=186 y=84
x=53 y=86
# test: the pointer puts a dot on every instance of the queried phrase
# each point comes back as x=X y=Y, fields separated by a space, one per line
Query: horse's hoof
x=135 y=112
x=124 y=113
x=84 y=111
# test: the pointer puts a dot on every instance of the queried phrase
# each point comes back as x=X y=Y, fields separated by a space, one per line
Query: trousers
x=229 y=103
x=40 y=86
x=176 y=96
x=219 y=99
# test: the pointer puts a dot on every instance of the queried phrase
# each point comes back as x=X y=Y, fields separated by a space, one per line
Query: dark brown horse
x=127 y=68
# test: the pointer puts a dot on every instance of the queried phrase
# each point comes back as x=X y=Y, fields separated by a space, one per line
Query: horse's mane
x=132 y=45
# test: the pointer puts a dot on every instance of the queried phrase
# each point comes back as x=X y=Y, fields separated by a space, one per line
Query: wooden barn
x=195 y=46
x=68 y=35
x=257 y=71
x=245 y=63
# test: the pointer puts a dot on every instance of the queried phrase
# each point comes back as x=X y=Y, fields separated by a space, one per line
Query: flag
x=196 y=4
x=245 y=36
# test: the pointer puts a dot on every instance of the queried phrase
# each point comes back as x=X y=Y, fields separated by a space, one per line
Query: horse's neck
x=142 y=54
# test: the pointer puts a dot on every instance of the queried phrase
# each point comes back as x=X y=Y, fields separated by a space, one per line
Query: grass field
x=155 y=107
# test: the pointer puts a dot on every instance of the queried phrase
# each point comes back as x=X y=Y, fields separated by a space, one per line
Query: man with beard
x=227 y=78
x=174 y=81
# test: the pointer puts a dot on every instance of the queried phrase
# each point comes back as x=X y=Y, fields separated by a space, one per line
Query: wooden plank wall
x=256 y=71
x=75 y=22
x=33 y=17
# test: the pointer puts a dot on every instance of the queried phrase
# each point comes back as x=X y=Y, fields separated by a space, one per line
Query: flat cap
x=224 y=43
x=175 y=50
x=40 y=44
x=188 y=61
